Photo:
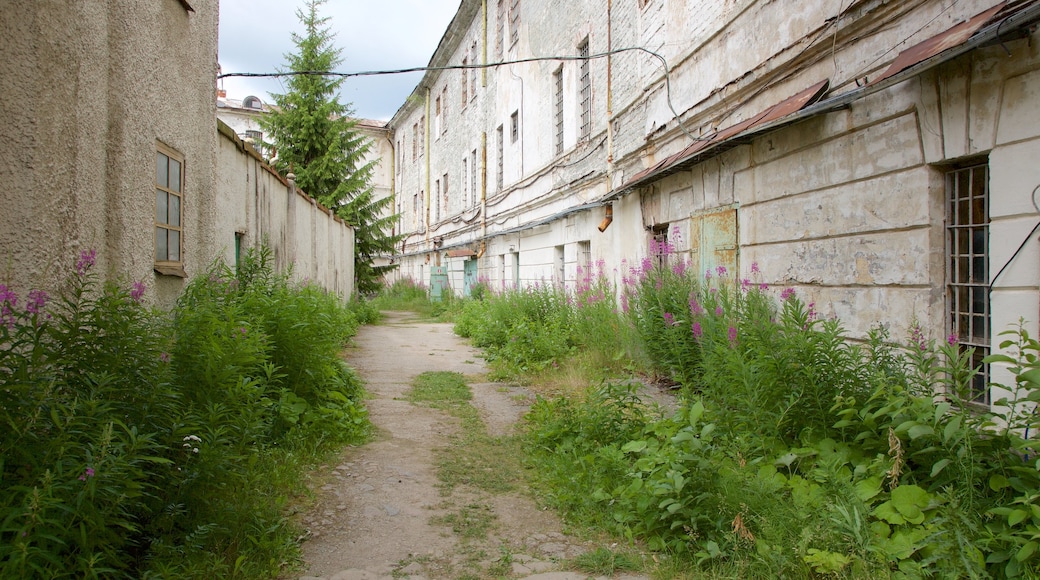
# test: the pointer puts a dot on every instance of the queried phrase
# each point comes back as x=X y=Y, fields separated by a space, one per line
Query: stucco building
x=878 y=157
x=111 y=143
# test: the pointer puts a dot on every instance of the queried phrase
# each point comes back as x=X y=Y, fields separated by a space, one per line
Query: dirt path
x=376 y=515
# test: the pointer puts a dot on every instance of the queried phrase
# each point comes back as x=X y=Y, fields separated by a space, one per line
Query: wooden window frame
x=165 y=191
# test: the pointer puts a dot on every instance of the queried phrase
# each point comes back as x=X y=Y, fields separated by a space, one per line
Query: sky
x=255 y=36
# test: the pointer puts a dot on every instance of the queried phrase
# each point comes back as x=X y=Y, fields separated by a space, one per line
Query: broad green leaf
x=634 y=446
x=998 y=482
x=889 y=513
x=939 y=466
x=868 y=488
x=1027 y=551
x=1016 y=517
x=920 y=431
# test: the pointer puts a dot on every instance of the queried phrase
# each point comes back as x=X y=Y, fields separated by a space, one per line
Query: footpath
x=380 y=512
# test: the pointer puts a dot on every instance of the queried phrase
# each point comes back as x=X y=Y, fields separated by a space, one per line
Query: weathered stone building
x=877 y=156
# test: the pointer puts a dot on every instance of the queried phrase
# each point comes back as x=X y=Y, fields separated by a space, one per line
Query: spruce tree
x=316 y=137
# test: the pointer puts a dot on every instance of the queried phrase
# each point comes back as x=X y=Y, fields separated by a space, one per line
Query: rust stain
x=951 y=38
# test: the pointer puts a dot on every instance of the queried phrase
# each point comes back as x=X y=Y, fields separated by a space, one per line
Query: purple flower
x=745 y=284
x=721 y=271
x=707 y=274
x=718 y=311
x=164 y=357
x=88 y=473
x=624 y=303
x=137 y=291
x=696 y=329
x=679 y=268
x=242 y=330
x=669 y=319
x=659 y=284
x=37 y=300
x=812 y=311
x=754 y=268
x=86 y=261
x=917 y=335
x=732 y=335
x=952 y=339
x=8 y=296
x=786 y=293
x=695 y=307
x=763 y=286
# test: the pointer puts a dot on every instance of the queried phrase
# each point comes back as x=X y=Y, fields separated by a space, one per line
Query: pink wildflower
x=732 y=335
x=786 y=293
x=37 y=300
x=721 y=271
x=754 y=268
x=718 y=311
x=164 y=357
x=86 y=261
x=669 y=320
x=137 y=292
x=88 y=473
x=745 y=284
x=763 y=286
x=952 y=339
x=696 y=329
x=695 y=307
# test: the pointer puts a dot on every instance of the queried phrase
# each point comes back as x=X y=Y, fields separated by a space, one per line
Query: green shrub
x=138 y=444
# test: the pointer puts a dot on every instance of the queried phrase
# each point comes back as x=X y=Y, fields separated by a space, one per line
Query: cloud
x=255 y=36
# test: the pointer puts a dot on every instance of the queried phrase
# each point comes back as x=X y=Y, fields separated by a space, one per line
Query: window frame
x=162 y=263
x=584 y=91
x=514 y=126
x=558 y=109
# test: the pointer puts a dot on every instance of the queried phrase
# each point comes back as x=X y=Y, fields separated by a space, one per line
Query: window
x=558 y=108
x=585 y=263
x=500 y=158
x=967 y=260
x=465 y=182
x=473 y=73
x=415 y=141
x=473 y=169
x=514 y=22
x=584 y=91
x=465 y=81
x=252 y=102
x=415 y=210
x=400 y=156
x=500 y=34
x=658 y=244
x=422 y=135
x=559 y=272
x=444 y=109
x=169 y=181
x=514 y=126
x=437 y=201
x=444 y=184
x=437 y=117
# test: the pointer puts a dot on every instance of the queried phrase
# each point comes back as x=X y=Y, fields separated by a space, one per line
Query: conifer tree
x=316 y=138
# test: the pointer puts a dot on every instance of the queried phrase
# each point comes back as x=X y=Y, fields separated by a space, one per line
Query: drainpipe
x=484 y=45
x=426 y=154
x=610 y=100
x=483 y=195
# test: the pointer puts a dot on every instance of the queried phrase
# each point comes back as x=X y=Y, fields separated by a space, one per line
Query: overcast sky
x=373 y=35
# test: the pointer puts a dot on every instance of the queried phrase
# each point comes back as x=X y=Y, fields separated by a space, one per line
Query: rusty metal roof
x=777 y=111
x=461 y=253
x=942 y=42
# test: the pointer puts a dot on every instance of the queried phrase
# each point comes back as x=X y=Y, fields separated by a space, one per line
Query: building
x=873 y=155
x=111 y=144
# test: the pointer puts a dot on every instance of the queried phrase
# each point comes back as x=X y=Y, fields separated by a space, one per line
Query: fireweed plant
x=794 y=452
x=144 y=444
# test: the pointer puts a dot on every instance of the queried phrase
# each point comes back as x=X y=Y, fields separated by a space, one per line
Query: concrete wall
x=89 y=90
x=263 y=207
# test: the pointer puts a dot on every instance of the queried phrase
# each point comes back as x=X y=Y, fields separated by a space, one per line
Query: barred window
x=967 y=253
x=585 y=91
x=558 y=108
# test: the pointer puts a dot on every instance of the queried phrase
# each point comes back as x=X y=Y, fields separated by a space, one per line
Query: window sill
x=170 y=270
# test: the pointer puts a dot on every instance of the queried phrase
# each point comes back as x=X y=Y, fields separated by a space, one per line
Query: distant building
x=878 y=157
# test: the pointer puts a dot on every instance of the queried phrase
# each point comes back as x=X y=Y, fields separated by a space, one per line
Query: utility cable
x=559 y=58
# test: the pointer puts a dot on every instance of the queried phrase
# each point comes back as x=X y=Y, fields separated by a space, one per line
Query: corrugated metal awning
x=944 y=41
x=777 y=111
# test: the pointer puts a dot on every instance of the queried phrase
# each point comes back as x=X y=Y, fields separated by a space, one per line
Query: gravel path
x=373 y=516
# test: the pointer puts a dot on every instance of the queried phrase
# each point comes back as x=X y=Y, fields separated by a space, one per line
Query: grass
x=606 y=561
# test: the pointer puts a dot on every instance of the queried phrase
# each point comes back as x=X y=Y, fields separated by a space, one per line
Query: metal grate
x=967 y=251
x=473 y=176
x=585 y=91
x=558 y=108
x=500 y=170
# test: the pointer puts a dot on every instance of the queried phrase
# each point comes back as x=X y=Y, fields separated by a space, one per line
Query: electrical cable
x=664 y=63
x=1023 y=244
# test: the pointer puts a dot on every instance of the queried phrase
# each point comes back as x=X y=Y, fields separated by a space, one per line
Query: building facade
x=112 y=145
x=875 y=156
